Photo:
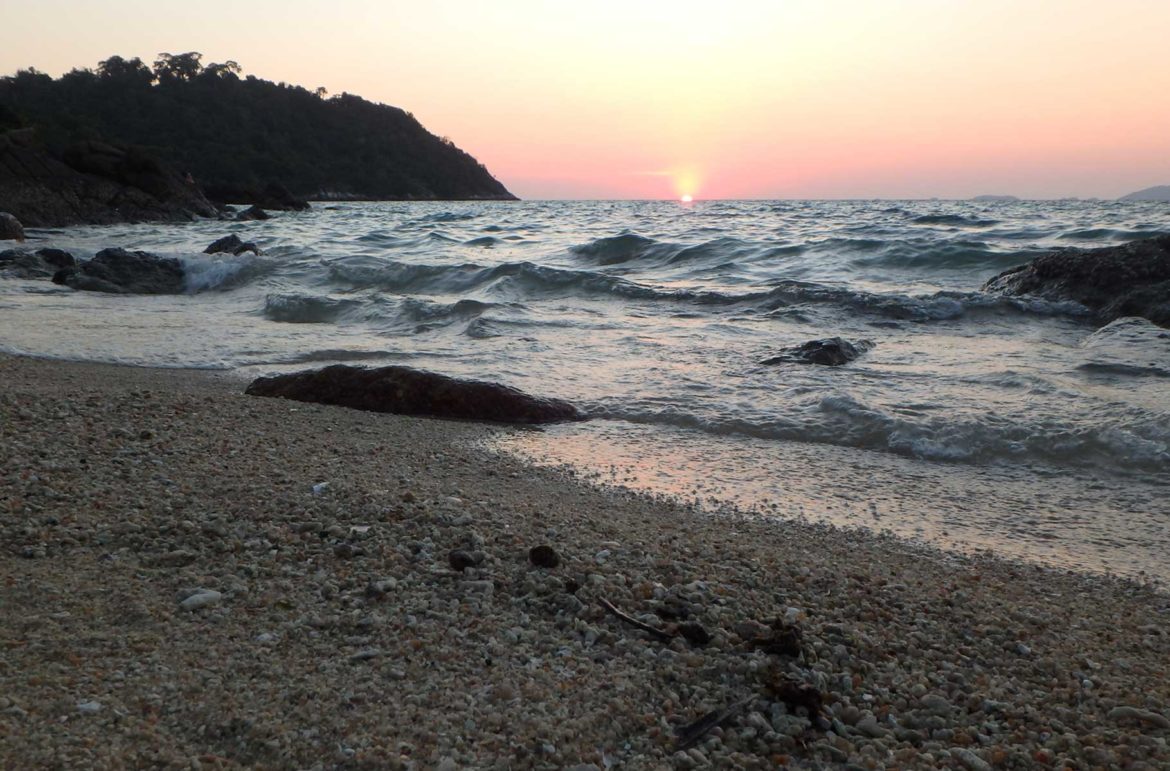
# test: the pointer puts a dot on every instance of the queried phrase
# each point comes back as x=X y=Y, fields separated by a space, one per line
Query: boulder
x=10 y=228
x=407 y=391
x=231 y=244
x=43 y=263
x=252 y=213
x=1132 y=279
x=92 y=183
x=830 y=352
x=119 y=271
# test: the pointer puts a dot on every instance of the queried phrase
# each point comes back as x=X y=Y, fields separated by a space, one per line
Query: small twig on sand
x=689 y=735
x=650 y=630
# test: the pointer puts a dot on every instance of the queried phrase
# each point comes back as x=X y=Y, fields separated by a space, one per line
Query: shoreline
x=341 y=637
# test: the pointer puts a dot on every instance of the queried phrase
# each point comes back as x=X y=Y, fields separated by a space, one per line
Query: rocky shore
x=195 y=578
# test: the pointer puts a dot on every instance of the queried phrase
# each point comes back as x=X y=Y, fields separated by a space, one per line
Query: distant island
x=994 y=198
x=234 y=135
x=1156 y=193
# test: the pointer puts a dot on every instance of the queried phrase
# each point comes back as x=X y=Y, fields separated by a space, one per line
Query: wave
x=923 y=254
x=205 y=273
x=403 y=314
x=726 y=252
x=615 y=250
x=1135 y=442
x=954 y=220
x=1128 y=346
x=1108 y=234
x=528 y=280
x=339 y=354
x=306 y=309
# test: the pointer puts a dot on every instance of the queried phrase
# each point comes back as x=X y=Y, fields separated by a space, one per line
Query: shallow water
x=974 y=422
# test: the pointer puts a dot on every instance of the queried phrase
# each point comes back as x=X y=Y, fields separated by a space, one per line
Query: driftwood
x=653 y=631
x=689 y=735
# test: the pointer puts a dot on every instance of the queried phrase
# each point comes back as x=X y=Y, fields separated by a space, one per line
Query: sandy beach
x=193 y=578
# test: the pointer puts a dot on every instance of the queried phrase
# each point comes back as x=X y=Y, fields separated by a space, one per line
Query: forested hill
x=237 y=133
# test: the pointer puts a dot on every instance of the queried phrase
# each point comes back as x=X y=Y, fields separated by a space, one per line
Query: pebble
x=89 y=707
x=1142 y=715
x=970 y=760
x=460 y=560
x=201 y=598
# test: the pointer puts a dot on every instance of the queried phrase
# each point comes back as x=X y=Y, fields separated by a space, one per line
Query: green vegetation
x=236 y=134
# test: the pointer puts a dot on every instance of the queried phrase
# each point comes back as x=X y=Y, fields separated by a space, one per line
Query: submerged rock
x=252 y=213
x=43 y=263
x=830 y=352
x=119 y=271
x=409 y=391
x=10 y=228
x=1132 y=279
x=231 y=244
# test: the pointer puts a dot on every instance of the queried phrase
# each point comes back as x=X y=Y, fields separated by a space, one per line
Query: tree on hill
x=237 y=134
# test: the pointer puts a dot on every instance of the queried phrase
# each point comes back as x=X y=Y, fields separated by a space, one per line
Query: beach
x=194 y=578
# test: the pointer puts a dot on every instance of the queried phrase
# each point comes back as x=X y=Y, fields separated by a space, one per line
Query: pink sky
x=655 y=99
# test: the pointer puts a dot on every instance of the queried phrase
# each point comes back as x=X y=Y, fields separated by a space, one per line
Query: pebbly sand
x=193 y=578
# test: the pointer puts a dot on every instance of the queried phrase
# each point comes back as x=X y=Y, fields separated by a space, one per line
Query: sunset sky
x=656 y=99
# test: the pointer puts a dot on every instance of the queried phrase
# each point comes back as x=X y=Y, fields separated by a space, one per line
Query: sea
x=975 y=423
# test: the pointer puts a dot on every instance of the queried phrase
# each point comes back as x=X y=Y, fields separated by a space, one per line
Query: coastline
x=342 y=638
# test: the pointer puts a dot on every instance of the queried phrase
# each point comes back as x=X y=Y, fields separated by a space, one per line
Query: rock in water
x=252 y=213
x=119 y=271
x=231 y=244
x=409 y=391
x=10 y=228
x=43 y=263
x=1132 y=279
x=831 y=352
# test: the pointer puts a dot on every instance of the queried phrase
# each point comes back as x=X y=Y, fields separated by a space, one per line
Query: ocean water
x=975 y=422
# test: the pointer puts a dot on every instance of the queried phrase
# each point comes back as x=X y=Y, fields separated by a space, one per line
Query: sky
x=729 y=99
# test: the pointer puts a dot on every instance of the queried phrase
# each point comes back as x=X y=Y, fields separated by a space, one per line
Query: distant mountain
x=237 y=135
x=994 y=198
x=1157 y=193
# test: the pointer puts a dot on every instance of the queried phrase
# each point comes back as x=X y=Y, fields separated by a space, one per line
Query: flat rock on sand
x=124 y=493
x=407 y=391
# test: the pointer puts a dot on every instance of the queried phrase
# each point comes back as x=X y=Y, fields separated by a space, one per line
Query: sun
x=687 y=198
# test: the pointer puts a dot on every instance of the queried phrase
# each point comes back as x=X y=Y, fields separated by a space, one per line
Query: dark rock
x=409 y=391
x=119 y=271
x=782 y=640
x=1132 y=279
x=831 y=352
x=252 y=213
x=276 y=196
x=460 y=560
x=92 y=183
x=544 y=557
x=797 y=695
x=572 y=585
x=695 y=634
x=58 y=258
x=231 y=244
x=43 y=263
x=673 y=609
x=10 y=228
